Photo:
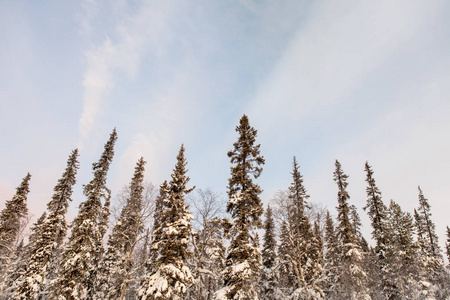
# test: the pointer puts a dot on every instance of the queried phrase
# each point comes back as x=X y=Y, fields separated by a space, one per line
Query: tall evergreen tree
x=47 y=247
x=377 y=212
x=287 y=279
x=355 y=220
x=85 y=247
x=352 y=280
x=268 y=279
x=245 y=207
x=427 y=228
x=430 y=257
x=172 y=277
x=157 y=229
x=304 y=248
x=345 y=228
x=332 y=256
x=11 y=219
x=114 y=276
x=400 y=268
x=16 y=270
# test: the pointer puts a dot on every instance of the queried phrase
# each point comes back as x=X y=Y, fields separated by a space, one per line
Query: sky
x=323 y=80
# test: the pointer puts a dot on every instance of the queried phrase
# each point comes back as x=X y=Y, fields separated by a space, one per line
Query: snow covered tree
x=16 y=269
x=14 y=272
x=85 y=246
x=345 y=228
x=352 y=279
x=427 y=229
x=285 y=273
x=172 y=277
x=355 y=220
x=157 y=230
x=243 y=259
x=17 y=274
x=304 y=249
x=318 y=245
x=11 y=221
x=377 y=213
x=331 y=255
x=45 y=251
x=269 y=279
x=430 y=257
x=208 y=258
x=116 y=267
x=400 y=267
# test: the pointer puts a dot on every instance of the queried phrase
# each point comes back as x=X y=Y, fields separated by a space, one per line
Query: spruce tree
x=400 y=268
x=157 y=229
x=85 y=246
x=245 y=207
x=114 y=276
x=11 y=219
x=352 y=279
x=268 y=279
x=427 y=228
x=16 y=270
x=332 y=256
x=285 y=273
x=304 y=249
x=172 y=277
x=345 y=228
x=377 y=213
x=430 y=257
x=355 y=220
x=46 y=250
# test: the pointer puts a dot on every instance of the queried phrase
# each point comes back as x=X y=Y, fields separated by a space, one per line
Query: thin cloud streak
x=133 y=32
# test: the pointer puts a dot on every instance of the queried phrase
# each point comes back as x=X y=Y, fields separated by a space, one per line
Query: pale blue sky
x=322 y=80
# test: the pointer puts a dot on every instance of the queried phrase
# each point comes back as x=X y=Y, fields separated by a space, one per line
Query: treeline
x=156 y=249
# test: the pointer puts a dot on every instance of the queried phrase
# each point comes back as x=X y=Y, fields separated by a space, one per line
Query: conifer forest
x=172 y=240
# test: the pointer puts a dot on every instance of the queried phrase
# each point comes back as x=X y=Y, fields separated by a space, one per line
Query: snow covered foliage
x=428 y=238
x=85 y=247
x=15 y=274
x=377 y=213
x=157 y=230
x=243 y=259
x=331 y=253
x=208 y=260
x=11 y=224
x=172 y=277
x=269 y=278
x=301 y=251
x=116 y=267
x=430 y=257
x=400 y=269
x=46 y=249
x=306 y=254
x=351 y=281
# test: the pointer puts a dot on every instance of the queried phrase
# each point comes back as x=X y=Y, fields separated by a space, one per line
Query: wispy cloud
x=119 y=53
